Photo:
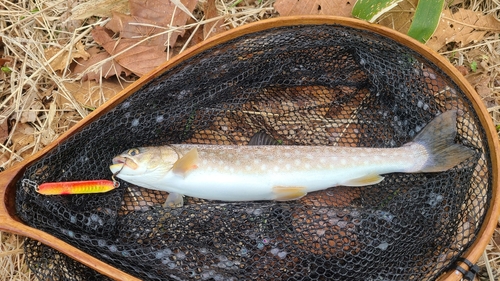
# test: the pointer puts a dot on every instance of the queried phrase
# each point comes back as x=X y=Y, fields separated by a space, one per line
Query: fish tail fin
x=438 y=138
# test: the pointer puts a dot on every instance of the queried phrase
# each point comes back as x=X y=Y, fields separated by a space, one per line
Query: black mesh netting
x=308 y=85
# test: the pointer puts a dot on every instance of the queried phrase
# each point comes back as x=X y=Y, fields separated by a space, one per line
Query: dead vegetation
x=61 y=59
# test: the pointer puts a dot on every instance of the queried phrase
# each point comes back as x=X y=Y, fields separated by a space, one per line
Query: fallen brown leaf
x=138 y=41
x=62 y=61
x=3 y=61
x=480 y=83
x=314 y=7
x=463 y=70
x=133 y=27
x=4 y=131
x=23 y=139
x=140 y=58
x=161 y=13
x=463 y=27
x=92 y=93
x=215 y=27
x=399 y=17
x=108 y=69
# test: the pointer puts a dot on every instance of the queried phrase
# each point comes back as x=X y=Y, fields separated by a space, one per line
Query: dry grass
x=38 y=103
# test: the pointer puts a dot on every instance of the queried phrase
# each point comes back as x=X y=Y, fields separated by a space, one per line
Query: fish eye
x=133 y=152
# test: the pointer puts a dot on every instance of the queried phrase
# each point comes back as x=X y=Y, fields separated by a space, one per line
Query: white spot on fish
x=135 y=122
x=343 y=162
x=308 y=166
x=256 y=161
x=204 y=162
x=159 y=118
x=288 y=166
x=238 y=162
x=322 y=160
x=297 y=162
x=263 y=167
x=248 y=168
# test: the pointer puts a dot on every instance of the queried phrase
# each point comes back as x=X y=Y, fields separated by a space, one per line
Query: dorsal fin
x=187 y=163
x=261 y=138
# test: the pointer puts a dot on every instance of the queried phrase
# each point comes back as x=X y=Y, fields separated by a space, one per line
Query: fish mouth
x=120 y=162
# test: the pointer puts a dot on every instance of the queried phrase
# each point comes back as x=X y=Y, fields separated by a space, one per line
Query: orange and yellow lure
x=76 y=187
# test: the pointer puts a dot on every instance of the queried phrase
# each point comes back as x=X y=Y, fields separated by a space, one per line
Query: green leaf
x=6 y=69
x=473 y=66
x=426 y=19
x=370 y=10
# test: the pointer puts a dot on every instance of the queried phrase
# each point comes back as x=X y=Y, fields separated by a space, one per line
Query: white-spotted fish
x=281 y=172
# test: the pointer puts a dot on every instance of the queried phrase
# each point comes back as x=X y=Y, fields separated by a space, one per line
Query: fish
x=284 y=172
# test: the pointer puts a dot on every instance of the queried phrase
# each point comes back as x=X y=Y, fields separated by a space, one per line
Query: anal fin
x=285 y=193
x=365 y=180
x=174 y=200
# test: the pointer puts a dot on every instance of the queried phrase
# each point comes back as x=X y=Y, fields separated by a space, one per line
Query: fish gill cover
x=303 y=85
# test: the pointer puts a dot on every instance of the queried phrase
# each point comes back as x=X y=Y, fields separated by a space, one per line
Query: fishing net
x=303 y=85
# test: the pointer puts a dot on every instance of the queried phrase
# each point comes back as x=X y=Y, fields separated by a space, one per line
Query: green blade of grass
x=370 y=10
x=426 y=19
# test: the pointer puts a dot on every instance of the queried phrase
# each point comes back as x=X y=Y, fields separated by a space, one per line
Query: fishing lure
x=77 y=187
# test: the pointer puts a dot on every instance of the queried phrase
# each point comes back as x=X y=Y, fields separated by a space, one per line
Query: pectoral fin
x=187 y=163
x=366 y=180
x=174 y=200
x=285 y=193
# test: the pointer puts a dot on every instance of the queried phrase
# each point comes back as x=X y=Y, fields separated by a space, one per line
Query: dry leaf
x=132 y=27
x=108 y=69
x=3 y=61
x=4 y=131
x=480 y=83
x=463 y=27
x=140 y=46
x=463 y=70
x=314 y=7
x=92 y=94
x=101 y=8
x=23 y=137
x=30 y=114
x=139 y=59
x=399 y=17
x=162 y=13
x=62 y=60
x=215 y=27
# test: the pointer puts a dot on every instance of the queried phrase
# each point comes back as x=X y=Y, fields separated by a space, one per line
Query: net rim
x=11 y=223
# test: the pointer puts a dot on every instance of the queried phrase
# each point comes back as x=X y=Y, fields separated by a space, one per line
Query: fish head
x=143 y=165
